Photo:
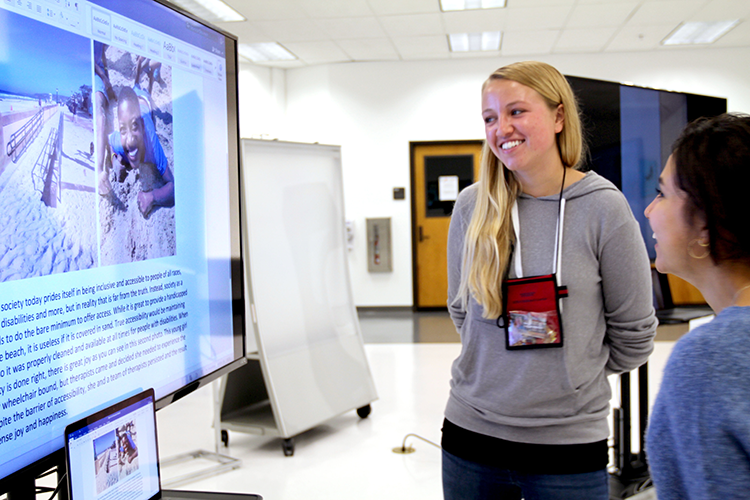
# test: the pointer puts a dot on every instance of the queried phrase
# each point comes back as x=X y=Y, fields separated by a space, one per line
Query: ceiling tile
x=639 y=38
x=292 y=30
x=537 y=18
x=347 y=28
x=723 y=10
x=370 y=49
x=475 y=21
x=739 y=36
x=589 y=2
x=584 y=40
x=422 y=46
x=297 y=63
x=324 y=52
x=475 y=54
x=334 y=8
x=537 y=3
x=528 y=42
x=390 y=7
x=263 y=10
x=596 y=16
x=413 y=25
x=666 y=12
x=247 y=32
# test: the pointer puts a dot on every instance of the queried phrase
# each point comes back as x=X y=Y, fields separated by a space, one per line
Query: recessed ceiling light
x=448 y=5
x=262 y=52
x=211 y=10
x=470 y=42
x=698 y=32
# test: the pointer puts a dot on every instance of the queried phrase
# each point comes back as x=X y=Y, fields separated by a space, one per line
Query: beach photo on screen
x=47 y=176
x=106 y=470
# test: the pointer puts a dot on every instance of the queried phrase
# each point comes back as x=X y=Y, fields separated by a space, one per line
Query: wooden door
x=683 y=293
x=439 y=171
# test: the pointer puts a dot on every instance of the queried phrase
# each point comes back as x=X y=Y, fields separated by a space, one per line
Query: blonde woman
x=550 y=290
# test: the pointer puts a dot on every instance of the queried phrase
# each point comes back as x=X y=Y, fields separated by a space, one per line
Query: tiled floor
x=402 y=325
x=348 y=457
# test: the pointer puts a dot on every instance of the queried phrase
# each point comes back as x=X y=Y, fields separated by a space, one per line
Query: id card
x=532 y=313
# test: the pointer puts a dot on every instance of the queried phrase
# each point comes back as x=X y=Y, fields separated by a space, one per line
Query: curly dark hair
x=712 y=165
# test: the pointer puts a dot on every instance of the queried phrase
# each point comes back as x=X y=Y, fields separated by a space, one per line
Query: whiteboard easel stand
x=306 y=360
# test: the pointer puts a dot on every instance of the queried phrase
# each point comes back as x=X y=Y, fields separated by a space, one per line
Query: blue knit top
x=698 y=440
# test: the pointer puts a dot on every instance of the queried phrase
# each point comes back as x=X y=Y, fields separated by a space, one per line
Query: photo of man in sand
x=127 y=448
x=134 y=155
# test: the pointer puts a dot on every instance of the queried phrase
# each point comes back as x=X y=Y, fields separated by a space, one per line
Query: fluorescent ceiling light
x=448 y=5
x=696 y=33
x=211 y=10
x=469 y=42
x=261 y=52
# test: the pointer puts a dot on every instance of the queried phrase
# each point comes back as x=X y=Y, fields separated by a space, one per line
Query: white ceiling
x=339 y=31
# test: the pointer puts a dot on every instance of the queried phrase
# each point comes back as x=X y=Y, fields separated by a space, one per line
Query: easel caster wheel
x=288 y=447
x=364 y=411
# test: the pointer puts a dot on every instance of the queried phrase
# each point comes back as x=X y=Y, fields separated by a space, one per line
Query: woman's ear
x=704 y=235
x=559 y=118
x=700 y=223
x=701 y=228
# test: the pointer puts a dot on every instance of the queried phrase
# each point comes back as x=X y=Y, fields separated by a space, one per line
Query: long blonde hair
x=489 y=237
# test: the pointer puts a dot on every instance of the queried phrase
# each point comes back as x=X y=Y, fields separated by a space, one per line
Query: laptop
x=113 y=455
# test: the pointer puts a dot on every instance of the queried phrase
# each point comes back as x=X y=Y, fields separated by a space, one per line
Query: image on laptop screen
x=113 y=453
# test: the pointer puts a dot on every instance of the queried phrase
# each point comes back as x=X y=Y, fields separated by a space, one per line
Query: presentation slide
x=114 y=215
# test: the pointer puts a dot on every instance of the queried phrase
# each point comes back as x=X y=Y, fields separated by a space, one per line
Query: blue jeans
x=464 y=480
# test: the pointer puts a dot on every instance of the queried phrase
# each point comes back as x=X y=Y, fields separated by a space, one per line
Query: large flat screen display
x=630 y=131
x=120 y=259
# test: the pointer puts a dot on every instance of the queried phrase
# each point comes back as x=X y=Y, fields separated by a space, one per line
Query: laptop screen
x=112 y=455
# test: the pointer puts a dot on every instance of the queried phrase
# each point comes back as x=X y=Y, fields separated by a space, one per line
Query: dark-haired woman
x=698 y=441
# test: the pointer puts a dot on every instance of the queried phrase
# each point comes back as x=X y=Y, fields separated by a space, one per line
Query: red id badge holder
x=531 y=305
x=532 y=312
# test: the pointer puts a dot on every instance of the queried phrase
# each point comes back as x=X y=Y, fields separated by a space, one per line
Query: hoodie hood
x=590 y=183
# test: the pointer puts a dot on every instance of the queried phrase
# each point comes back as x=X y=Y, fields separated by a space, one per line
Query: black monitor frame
x=21 y=484
x=604 y=108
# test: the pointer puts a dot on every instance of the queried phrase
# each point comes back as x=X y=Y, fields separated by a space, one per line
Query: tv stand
x=24 y=489
x=25 y=486
x=631 y=476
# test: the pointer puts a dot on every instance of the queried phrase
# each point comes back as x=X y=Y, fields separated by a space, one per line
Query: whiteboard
x=305 y=325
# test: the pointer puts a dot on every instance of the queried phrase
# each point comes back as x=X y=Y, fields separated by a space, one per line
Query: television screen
x=120 y=261
x=630 y=131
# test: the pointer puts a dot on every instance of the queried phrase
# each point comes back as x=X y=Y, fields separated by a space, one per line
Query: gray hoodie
x=556 y=395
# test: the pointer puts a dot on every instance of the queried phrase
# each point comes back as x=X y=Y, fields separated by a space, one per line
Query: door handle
x=422 y=237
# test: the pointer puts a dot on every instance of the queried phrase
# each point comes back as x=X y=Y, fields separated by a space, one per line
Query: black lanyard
x=516 y=256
